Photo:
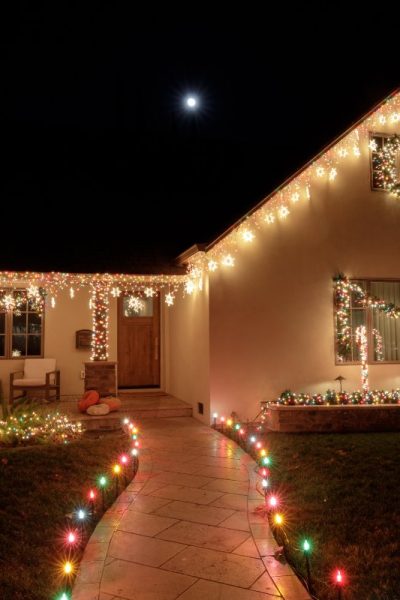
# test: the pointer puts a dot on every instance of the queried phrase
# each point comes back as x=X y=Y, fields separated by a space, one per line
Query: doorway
x=138 y=342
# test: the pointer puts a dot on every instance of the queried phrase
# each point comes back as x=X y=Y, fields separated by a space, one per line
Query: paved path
x=186 y=527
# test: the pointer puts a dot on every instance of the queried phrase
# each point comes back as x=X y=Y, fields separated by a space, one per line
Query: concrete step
x=134 y=406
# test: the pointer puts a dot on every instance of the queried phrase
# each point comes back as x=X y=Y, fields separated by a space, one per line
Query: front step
x=134 y=406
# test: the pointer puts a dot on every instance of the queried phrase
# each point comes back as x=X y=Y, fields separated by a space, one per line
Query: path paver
x=186 y=527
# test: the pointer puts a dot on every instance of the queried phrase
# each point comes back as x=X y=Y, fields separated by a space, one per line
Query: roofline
x=299 y=171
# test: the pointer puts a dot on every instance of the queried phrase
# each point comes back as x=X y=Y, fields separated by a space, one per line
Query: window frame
x=372 y=135
x=368 y=323
x=8 y=332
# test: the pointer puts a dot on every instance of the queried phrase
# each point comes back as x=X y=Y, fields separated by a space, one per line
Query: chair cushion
x=98 y=410
x=35 y=368
x=112 y=403
x=90 y=398
x=29 y=382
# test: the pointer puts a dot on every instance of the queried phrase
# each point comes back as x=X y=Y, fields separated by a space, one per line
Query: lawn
x=343 y=493
x=38 y=486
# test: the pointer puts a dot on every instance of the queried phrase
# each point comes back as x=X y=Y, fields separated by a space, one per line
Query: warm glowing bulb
x=212 y=265
x=72 y=292
x=229 y=422
x=263 y=452
x=373 y=145
x=53 y=302
x=320 y=171
x=283 y=212
x=117 y=469
x=295 y=197
x=332 y=174
x=149 y=292
x=189 y=287
x=228 y=261
x=273 y=501
x=71 y=537
x=264 y=483
x=269 y=218
x=169 y=299
x=278 y=519
x=248 y=236
x=339 y=577
x=382 y=119
x=123 y=459
x=134 y=451
x=68 y=568
x=253 y=439
x=215 y=415
x=115 y=292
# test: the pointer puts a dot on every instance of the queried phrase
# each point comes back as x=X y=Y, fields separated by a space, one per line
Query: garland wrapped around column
x=100 y=316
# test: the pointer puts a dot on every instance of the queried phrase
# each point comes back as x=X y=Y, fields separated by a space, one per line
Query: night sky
x=102 y=168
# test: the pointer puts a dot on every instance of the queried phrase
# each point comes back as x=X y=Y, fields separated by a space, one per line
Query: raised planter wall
x=383 y=417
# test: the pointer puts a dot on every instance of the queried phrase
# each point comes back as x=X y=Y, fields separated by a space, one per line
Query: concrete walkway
x=186 y=527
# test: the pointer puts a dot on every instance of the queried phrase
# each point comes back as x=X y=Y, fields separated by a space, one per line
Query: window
x=377 y=142
x=21 y=327
x=134 y=306
x=383 y=331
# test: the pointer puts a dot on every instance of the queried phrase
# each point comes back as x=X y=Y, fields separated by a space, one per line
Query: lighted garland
x=343 y=289
x=28 y=427
x=82 y=518
x=270 y=508
x=100 y=320
x=385 y=165
x=15 y=300
x=278 y=206
x=333 y=398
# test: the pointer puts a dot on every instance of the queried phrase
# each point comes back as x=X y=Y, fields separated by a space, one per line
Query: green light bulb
x=306 y=546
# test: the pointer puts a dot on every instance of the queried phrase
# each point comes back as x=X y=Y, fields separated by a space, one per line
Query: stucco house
x=255 y=312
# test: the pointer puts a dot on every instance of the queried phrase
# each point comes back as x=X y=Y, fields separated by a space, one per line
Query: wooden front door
x=138 y=342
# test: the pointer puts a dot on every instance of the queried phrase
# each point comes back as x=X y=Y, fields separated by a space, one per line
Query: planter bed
x=343 y=418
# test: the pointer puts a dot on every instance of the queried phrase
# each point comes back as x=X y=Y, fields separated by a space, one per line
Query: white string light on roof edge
x=279 y=206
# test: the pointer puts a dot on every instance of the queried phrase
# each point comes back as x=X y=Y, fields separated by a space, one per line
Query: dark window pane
x=34 y=345
x=19 y=323
x=2 y=322
x=2 y=345
x=34 y=323
x=18 y=345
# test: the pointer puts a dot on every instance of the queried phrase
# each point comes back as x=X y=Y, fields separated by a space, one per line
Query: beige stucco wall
x=271 y=316
x=61 y=323
x=187 y=350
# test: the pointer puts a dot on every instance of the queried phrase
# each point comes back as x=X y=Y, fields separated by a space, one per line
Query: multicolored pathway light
x=272 y=502
x=68 y=568
x=124 y=460
x=64 y=596
x=116 y=472
x=81 y=515
x=71 y=538
x=92 y=500
x=339 y=578
x=307 y=548
x=102 y=483
x=266 y=460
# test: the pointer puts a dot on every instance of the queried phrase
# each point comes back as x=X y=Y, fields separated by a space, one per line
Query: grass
x=39 y=486
x=342 y=492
